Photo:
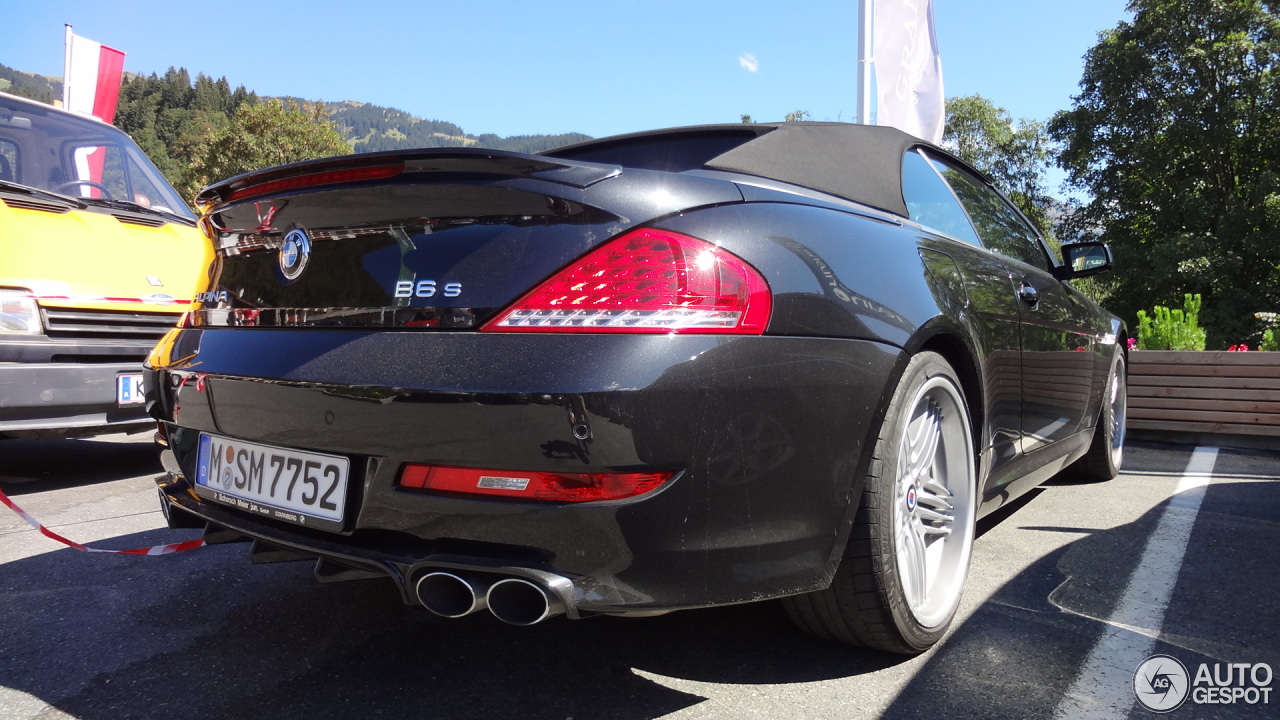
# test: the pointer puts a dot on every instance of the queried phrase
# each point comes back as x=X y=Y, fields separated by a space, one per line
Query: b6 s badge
x=426 y=289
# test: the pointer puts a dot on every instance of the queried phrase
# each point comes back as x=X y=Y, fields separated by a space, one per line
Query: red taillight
x=535 y=486
x=647 y=281
x=326 y=177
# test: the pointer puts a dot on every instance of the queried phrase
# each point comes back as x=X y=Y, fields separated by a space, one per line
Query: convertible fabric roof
x=862 y=163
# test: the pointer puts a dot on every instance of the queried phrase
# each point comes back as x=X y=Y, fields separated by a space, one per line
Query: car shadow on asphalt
x=1017 y=654
x=205 y=634
x=37 y=465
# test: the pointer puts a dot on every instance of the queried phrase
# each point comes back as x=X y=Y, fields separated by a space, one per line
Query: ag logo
x=295 y=251
x=1161 y=683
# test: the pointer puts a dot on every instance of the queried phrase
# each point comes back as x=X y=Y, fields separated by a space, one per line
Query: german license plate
x=296 y=486
x=129 y=389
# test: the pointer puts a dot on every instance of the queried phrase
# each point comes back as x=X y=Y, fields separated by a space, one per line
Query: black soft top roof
x=862 y=163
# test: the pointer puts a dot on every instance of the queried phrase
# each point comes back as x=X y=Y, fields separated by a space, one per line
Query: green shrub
x=1175 y=329
x=1269 y=340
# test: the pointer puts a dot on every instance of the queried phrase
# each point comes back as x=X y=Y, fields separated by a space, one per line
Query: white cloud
x=748 y=61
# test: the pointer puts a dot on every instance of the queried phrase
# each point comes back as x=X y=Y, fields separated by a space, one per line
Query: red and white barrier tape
x=157 y=550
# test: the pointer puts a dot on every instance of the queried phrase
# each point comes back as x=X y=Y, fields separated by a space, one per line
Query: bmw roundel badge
x=295 y=251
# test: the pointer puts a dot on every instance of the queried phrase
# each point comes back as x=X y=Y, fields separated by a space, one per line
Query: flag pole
x=66 y=69
x=864 y=61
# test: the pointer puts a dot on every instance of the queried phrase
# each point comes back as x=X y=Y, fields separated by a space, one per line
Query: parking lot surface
x=1070 y=591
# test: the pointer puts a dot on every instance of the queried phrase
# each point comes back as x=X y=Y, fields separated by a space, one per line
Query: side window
x=146 y=192
x=9 y=161
x=1001 y=227
x=931 y=203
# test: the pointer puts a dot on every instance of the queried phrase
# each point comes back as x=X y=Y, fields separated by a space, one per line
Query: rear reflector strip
x=530 y=486
x=658 y=320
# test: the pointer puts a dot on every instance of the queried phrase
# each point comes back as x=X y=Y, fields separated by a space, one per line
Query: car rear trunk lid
x=430 y=239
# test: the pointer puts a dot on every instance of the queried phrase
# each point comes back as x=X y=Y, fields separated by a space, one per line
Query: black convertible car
x=659 y=371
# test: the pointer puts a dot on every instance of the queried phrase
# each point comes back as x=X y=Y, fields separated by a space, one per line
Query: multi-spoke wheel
x=900 y=580
x=933 y=504
x=1106 y=452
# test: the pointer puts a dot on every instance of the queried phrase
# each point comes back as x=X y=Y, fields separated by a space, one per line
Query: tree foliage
x=35 y=87
x=262 y=135
x=1176 y=136
x=529 y=143
x=373 y=128
x=174 y=119
x=170 y=118
x=1014 y=155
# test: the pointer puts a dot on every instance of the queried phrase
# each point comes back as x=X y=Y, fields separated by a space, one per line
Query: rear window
x=670 y=152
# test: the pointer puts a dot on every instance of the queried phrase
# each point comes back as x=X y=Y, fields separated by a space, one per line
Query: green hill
x=371 y=128
x=374 y=128
x=36 y=87
x=367 y=128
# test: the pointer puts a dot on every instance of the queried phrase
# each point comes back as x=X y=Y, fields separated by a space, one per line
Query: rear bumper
x=765 y=433
x=70 y=398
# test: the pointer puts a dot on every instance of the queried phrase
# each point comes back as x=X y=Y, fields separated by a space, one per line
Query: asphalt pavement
x=1071 y=590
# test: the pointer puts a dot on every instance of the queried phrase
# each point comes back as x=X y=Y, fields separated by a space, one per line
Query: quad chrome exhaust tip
x=513 y=600
x=449 y=595
x=517 y=601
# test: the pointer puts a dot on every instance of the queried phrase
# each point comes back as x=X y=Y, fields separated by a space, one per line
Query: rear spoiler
x=367 y=167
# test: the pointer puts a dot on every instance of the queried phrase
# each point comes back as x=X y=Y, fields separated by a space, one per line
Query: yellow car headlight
x=19 y=313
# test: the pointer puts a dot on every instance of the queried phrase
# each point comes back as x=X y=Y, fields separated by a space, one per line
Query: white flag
x=908 y=68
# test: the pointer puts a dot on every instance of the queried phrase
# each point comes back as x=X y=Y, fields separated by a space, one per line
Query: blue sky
x=598 y=67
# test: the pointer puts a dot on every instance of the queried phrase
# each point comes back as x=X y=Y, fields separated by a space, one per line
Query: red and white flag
x=91 y=77
x=908 y=69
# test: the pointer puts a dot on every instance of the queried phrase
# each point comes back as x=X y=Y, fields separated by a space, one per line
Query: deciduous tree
x=1176 y=137
x=262 y=135
x=1014 y=155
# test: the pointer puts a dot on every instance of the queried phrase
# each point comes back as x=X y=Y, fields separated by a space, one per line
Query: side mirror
x=1083 y=259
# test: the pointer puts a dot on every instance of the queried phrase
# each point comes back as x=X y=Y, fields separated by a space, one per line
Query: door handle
x=1028 y=294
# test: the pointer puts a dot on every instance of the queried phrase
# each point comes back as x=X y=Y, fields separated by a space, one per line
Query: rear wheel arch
x=959 y=355
x=955 y=351
x=884 y=594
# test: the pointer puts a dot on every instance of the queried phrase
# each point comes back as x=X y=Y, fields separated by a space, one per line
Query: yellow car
x=99 y=257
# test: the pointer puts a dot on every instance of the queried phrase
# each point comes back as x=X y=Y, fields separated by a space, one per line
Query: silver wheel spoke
x=912 y=563
x=928 y=516
x=923 y=443
x=938 y=490
x=933 y=500
x=935 y=513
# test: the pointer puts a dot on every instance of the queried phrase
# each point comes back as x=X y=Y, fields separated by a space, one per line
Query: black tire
x=876 y=599
x=1106 y=451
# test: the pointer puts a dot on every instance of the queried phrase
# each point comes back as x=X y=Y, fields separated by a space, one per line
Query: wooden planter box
x=1232 y=393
